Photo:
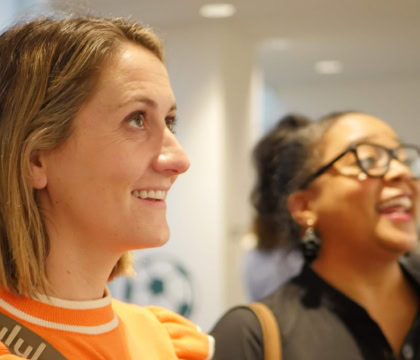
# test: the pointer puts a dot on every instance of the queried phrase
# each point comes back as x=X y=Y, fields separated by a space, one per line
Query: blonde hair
x=48 y=69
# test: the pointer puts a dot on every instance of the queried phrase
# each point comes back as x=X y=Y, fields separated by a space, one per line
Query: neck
x=76 y=272
x=362 y=279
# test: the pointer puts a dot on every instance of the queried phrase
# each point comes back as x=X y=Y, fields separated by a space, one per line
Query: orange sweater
x=105 y=329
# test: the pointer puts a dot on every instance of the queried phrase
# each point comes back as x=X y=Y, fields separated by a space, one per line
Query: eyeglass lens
x=375 y=160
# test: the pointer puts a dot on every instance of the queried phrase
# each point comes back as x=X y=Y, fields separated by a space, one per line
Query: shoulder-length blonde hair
x=48 y=69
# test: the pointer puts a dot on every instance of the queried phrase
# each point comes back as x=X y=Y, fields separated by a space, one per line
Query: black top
x=317 y=322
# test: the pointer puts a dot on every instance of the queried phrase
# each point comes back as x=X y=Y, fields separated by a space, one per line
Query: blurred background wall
x=233 y=78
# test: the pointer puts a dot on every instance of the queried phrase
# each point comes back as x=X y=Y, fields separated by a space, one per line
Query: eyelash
x=140 y=116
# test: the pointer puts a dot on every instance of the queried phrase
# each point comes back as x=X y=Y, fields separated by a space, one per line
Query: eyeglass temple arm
x=325 y=168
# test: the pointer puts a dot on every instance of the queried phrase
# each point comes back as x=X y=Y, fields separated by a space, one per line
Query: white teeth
x=150 y=194
x=143 y=194
x=404 y=202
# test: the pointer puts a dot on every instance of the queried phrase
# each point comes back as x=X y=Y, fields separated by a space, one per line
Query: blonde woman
x=88 y=154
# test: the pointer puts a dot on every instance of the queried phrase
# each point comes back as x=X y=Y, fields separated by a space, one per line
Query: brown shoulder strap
x=270 y=330
x=24 y=342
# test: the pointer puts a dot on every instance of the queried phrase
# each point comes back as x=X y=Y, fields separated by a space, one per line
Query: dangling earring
x=310 y=242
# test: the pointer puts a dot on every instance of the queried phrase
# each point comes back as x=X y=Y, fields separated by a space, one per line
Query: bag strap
x=270 y=331
x=23 y=342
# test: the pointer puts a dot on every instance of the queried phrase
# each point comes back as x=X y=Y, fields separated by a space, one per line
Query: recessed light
x=217 y=10
x=328 y=67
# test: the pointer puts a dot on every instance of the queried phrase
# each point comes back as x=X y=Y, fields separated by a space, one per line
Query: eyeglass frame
x=353 y=148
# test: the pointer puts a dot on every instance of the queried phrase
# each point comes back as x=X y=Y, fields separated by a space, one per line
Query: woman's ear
x=38 y=170
x=298 y=204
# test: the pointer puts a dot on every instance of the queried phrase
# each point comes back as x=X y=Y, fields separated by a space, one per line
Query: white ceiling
x=372 y=38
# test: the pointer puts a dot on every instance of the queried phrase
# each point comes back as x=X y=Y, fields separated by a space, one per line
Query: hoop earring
x=310 y=242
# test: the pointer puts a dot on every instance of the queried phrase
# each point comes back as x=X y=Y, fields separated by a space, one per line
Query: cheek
x=90 y=171
x=125 y=166
x=347 y=202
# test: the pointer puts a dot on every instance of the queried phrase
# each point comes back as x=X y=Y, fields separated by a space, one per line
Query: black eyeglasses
x=374 y=160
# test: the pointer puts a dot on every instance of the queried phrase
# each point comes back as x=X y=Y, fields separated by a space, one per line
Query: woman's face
x=107 y=184
x=356 y=212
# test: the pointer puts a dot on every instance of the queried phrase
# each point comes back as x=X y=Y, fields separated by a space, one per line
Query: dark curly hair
x=284 y=158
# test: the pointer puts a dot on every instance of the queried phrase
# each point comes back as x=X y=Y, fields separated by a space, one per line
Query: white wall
x=8 y=10
x=196 y=211
x=211 y=70
x=395 y=100
x=16 y=10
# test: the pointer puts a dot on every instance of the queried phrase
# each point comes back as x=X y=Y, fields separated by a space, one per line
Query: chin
x=153 y=240
x=401 y=244
x=398 y=237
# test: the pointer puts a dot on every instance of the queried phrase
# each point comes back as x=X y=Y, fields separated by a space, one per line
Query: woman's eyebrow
x=150 y=102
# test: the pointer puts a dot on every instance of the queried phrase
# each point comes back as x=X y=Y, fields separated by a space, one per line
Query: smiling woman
x=88 y=154
x=120 y=147
x=345 y=190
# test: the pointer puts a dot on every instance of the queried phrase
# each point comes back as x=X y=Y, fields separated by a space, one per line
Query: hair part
x=48 y=69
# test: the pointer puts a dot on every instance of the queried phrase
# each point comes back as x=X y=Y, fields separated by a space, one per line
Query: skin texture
x=122 y=142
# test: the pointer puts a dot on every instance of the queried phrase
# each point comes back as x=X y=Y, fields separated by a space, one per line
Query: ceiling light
x=217 y=10
x=328 y=67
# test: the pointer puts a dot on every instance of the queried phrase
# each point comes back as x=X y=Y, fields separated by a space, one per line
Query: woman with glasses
x=346 y=193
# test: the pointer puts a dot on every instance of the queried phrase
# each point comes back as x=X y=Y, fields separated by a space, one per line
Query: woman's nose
x=398 y=171
x=172 y=159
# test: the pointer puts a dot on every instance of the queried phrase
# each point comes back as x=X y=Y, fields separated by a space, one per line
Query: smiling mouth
x=402 y=205
x=150 y=194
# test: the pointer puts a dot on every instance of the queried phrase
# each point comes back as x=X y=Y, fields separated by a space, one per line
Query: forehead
x=134 y=72
x=354 y=128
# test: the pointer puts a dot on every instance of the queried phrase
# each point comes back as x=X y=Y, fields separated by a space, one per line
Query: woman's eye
x=170 y=123
x=368 y=162
x=137 y=120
